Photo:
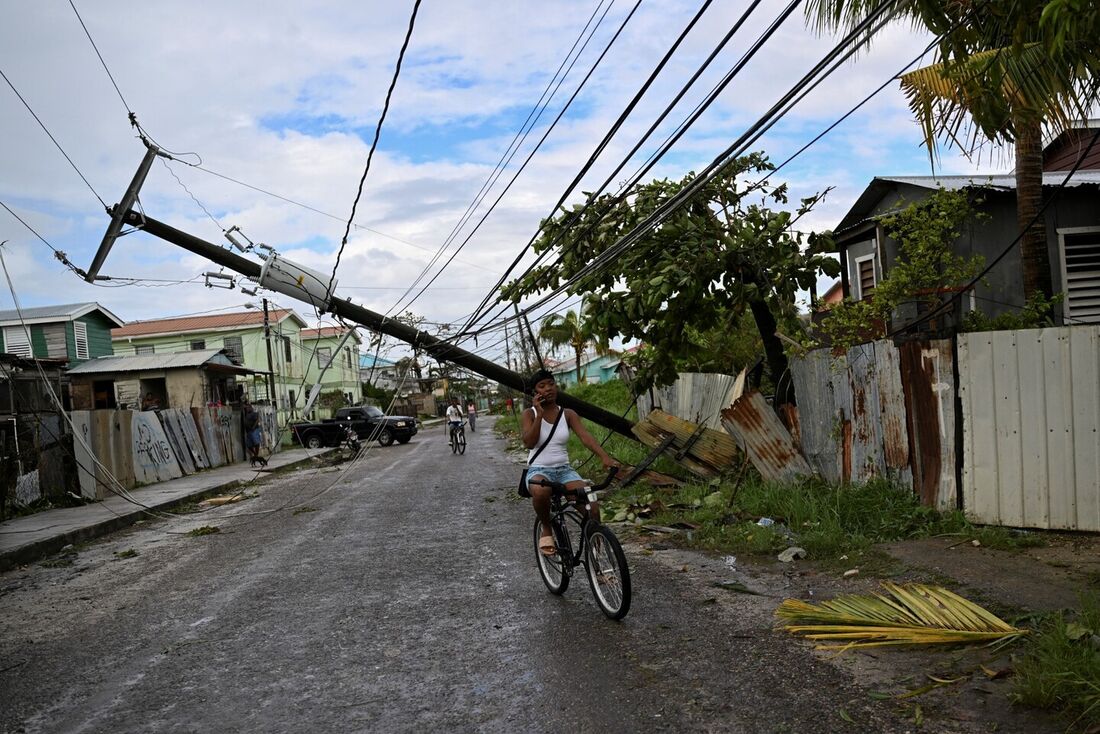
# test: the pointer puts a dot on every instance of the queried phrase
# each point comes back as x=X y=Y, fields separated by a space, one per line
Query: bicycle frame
x=560 y=505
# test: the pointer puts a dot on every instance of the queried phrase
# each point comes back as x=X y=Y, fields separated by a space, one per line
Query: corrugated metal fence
x=699 y=397
x=1031 y=427
x=881 y=410
x=1022 y=448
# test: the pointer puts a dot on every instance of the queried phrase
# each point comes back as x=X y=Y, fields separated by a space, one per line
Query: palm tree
x=1003 y=71
x=575 y=329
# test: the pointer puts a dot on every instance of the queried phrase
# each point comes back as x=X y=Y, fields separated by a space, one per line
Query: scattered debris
x=791 y=553
x=912 y=614
x=736 y=586
x=851 y=572
x=765 y=522
x=731 y=562
x=227 y=499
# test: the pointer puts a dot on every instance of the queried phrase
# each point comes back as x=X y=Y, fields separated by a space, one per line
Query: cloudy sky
x=286 y=98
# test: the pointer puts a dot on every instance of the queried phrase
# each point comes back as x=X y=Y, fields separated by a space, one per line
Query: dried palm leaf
x=911 y=614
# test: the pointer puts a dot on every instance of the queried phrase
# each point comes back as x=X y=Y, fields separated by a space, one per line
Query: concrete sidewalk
x=26 y=539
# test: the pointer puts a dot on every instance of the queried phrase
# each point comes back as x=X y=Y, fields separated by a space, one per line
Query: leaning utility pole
x=318 y=290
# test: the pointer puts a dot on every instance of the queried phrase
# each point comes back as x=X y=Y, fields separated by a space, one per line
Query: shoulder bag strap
x=561 y=412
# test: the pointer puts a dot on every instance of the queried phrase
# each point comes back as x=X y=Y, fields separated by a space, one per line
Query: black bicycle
x=581 y=540
x=458 y=438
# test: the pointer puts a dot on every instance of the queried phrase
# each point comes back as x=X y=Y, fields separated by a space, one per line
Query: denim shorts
x=562 y=474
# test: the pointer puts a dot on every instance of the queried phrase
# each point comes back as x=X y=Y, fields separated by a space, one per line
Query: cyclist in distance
x=454 y=420
x=552 y=462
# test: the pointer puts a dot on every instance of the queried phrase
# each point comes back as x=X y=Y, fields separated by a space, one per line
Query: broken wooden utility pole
x=302 y=283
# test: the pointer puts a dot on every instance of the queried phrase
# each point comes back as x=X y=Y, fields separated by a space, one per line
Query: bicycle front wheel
x=552 y=568
x=462 y=442
x=608 y=574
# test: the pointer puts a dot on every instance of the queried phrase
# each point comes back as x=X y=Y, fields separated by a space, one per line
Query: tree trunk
x=1034 y=253
x=773 y=350
x=579 y=352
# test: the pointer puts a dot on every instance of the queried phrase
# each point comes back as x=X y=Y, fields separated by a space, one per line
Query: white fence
x=1031 y=427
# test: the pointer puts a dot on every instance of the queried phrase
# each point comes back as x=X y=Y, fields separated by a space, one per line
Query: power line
x=52 y=138
x=1008 y=248
x=666 y=146
x=715 y=167
x=517 y=141
x=125 y=104
x=315 y=210
x=374 y=143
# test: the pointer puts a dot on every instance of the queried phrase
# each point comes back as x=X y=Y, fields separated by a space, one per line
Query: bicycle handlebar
x=559 y=487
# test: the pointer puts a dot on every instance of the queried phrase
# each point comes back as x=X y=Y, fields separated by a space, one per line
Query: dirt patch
x=1032 y=579
x=962 y=689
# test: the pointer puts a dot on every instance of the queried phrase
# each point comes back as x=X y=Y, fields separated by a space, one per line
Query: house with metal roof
x=1072 y=221
x=273 y=349
x=380 y=372
x=190 y=379
x=69 y=333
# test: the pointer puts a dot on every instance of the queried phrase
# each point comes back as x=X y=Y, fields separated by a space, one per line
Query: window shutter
x=145 y=349
x=866 y=277
x=1082 y=253
x=17 y=341
x=80 y=336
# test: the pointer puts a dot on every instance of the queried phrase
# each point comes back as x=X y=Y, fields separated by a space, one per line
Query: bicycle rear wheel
x=461 y=441
x=553 y=568
x=454 y=441
x=608 y=574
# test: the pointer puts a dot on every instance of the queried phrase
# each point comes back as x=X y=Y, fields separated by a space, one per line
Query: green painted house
x=74 y=332
x=326 y=346
x=241 y=335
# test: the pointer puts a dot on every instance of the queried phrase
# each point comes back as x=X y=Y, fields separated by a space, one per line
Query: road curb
x=36 y=550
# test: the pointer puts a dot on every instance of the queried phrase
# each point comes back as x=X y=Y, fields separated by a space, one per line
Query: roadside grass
x=828 y=521
x=1059 y=668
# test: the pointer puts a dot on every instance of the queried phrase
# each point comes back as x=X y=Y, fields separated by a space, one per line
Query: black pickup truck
x=367 y=422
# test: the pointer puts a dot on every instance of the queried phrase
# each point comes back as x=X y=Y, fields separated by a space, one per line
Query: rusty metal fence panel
x=881 y=410
x=1031 y=427
x=761 y=435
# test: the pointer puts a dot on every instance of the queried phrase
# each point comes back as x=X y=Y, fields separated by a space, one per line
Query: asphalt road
x=398 y=593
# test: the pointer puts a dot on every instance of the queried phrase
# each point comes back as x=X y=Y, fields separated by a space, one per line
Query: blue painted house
x=594 y=367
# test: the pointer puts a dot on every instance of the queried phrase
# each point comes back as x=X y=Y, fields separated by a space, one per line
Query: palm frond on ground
x=910 y=614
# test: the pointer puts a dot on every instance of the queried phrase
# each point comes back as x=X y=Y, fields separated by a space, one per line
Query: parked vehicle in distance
x=367 y=421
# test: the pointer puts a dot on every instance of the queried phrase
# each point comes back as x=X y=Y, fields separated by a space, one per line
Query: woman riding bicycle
x=454 y=420
x=552 y=462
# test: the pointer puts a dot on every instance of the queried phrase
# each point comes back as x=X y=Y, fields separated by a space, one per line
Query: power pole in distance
x=270 y=371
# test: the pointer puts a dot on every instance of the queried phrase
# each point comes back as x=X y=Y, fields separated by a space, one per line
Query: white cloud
x=204 y=76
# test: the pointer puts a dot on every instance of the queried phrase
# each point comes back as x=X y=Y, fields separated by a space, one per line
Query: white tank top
x=554 y=454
